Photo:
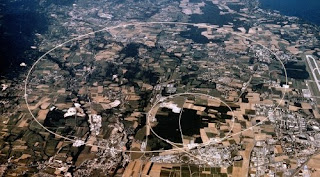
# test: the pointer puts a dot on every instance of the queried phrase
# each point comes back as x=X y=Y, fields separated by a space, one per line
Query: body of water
x=308 y=10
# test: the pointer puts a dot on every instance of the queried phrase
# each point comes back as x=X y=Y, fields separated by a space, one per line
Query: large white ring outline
x=136 y=24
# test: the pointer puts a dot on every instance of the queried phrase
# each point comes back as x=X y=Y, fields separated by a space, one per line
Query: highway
x=202 y=25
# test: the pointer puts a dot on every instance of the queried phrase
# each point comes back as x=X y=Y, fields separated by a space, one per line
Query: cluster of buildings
x=101 y=92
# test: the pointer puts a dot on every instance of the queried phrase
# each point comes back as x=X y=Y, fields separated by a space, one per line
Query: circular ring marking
x=137 y=24
x=193 y=94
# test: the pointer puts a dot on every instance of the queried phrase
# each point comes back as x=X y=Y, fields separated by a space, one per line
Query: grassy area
x=141 y=134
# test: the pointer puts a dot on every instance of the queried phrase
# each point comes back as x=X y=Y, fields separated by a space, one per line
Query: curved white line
x=136 y=24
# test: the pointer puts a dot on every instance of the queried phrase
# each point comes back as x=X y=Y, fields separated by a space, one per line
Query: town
x=174 y=94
